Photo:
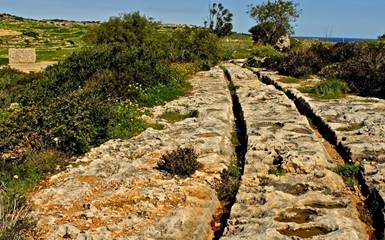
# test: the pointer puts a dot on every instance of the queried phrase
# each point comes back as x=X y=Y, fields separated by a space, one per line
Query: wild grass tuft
x=15 y=218
x=174 y=117
x=292 y=80
x=328 y=89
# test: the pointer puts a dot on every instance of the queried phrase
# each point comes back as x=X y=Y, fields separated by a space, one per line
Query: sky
x=319 y=18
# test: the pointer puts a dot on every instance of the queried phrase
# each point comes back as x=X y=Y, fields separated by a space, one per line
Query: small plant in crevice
x=182 y=162
x=229 y=184
x=234 y=138
x=277 y=170
x=349 y=173
x=174 y=116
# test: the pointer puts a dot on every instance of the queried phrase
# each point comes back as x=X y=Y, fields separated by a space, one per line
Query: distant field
x=53 y=40
x=237 y=46
x=56 y=40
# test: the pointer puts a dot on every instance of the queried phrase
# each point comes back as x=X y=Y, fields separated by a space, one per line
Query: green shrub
x=266 y=51
x=194 y=44
x=300 y=63
x=349 y=173
x=331 y=89
x=182 y=162
x=132 y=29
x=347 y=170
x=364 y=72
x=229 y=184
x=253 y=62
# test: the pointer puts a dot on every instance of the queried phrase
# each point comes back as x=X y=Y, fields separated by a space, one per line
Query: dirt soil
x=5 y=32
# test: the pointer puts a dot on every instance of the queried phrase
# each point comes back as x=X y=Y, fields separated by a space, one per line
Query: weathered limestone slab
x=358 y=125
x=115 y=192
x=22 y=55
x=309 y=200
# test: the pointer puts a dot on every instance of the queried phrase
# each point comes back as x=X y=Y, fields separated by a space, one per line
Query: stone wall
x=22 y=55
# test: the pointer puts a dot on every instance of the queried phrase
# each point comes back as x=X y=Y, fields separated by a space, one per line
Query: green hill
x=53 y=39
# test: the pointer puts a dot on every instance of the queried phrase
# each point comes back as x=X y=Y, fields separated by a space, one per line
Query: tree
x=132 y=29
x=382 y=37
x=219 y=20
x=274 y=19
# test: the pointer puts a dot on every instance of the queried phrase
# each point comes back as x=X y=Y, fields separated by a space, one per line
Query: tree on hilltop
x=219 y=20
x=274 y=19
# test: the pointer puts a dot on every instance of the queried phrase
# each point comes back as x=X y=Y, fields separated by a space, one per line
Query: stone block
x=22 y=55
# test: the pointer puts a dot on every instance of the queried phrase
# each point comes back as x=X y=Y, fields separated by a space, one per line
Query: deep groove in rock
x=373 y=203
x=240 y=150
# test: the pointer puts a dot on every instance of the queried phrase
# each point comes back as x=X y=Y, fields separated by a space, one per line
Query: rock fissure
x=240 y=151
x=373 y=203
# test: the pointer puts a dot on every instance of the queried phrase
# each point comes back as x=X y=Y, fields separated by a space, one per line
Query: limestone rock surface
x=358 y=124
x=308 y=200
x=115 y=192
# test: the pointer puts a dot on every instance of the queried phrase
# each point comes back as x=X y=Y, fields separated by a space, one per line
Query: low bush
x=263 y=51
x=347 y=170
x=361 y=65
x=182 y=162
x=331 y=89
x=132 y=29
x=253 y=62
x=194 y=44
x=229 y=183
x=300 y=63
x=364 y=73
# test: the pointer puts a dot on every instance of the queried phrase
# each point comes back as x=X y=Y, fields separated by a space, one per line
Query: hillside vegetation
x=95 y=94
x=361 y=65
x=54 y=39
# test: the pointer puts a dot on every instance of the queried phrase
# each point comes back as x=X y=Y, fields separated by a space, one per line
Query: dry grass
x=14 y=218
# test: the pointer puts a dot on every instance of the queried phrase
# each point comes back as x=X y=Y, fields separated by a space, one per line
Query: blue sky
x=334 y=18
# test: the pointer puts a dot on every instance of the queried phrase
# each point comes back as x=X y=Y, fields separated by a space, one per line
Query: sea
x=337 y=39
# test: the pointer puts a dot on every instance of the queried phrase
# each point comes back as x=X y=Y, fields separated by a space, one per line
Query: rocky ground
x=357 y=126
x=288 y=189
x=115 y=192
